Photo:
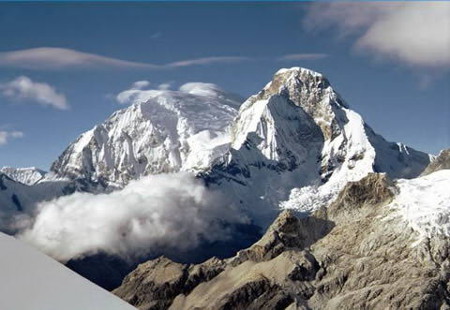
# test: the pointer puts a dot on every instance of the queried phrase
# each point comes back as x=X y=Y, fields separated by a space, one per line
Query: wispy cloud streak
x=306 y=56
x=52 y=58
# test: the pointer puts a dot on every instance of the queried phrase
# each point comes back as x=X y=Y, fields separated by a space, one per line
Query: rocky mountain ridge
x=442 y=161
x=356 y=254
x=27 y=176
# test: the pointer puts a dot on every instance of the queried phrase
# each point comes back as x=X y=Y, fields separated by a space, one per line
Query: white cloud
x=132 y=95
x=23 y=88
x=206 y=61
x=164 y=86
x=169 y=211
x=137 y=94
x=6 y=136
x=311 y=56
x=140 y=84
x=415 y=33
x=59 y=58
x=52 y=58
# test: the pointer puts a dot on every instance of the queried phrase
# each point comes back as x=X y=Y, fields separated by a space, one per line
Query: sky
x=63 y=64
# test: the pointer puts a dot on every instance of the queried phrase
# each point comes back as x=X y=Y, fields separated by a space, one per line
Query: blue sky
x=50 y=91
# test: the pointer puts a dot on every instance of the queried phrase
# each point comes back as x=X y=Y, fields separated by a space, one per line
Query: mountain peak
x=300 y=71
x=162 y=131
x=292 y=81
x=27 y=176
x=297 y=143
x=442 y=161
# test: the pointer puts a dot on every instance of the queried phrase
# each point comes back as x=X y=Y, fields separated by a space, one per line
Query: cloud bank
x=6 y=136
x=23 y=88
x=414 y=33
x=52 y=58
x=169 y=211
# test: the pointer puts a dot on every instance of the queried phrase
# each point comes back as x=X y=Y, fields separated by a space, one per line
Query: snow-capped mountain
x=31 y=281
x=27 y=176
x=18 y=201
x=296 y=143
x=164 y=131
x=293 y=145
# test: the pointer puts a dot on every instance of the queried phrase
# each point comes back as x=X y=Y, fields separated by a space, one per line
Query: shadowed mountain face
x=108 y=271
x=352 y=255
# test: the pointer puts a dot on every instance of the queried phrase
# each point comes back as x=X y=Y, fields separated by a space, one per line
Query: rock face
x=442 y=161
x=355 y=254
x=153 y=285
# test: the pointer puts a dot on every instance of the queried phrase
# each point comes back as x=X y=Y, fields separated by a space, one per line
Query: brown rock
x=442 y=161
x=352 y=255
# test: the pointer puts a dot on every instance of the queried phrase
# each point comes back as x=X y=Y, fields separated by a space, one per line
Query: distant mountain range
x=296 y=145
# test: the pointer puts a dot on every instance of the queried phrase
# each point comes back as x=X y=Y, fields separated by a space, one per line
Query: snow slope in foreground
x=33 y=281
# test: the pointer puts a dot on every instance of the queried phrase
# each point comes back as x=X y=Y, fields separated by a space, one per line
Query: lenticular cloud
x=173 y=211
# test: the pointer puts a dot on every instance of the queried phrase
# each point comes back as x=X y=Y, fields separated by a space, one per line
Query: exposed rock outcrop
x=442 y=161
x=351 y=255
x=156 y=283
